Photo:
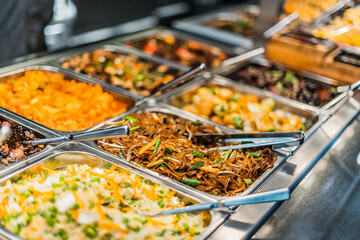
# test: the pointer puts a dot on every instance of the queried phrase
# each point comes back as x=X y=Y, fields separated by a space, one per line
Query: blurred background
x=62 y=24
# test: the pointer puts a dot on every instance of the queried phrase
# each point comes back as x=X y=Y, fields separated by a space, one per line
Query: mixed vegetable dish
x=81 y=202
x=186 y=52
x=241 y=111
x=126 y=71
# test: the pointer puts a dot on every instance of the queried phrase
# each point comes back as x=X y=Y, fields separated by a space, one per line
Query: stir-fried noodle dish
x=165 y=144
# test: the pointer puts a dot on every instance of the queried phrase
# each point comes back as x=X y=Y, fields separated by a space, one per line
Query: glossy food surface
x=285 y=83
x=186 y=52
x=164 y=143
x=126 y=71
x=50 y=99
x=241 y=111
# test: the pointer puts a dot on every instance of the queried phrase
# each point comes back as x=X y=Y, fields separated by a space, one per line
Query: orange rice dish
x=65 y=105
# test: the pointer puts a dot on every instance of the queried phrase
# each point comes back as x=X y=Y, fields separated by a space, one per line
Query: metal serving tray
x=260 y=60
x=229 y=51
x=174 y=69
x=118 y=94
x=164 y=108
x=34 y=127
x=81 y=154
x=197 y=25
x=310 y=116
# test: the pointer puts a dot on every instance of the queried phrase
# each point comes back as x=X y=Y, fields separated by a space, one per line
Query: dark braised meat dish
x=285 y=83
x=13 y=149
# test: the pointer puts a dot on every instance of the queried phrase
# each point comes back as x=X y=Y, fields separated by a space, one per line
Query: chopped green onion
x=196 y=154
x=160 y=234
x=169 y=151
x=248 y=181
x=127 y=69
x=197 y=122
x=166 y=158
x=226 y=156
x=212 y=90
x=158 y=142
x=271 y=130
x=186 y=227
x=238 y=122
x=303 y=128
x=190 y=181
x=161 y=202
x=129 y=118
x=90 y=232
x=255 y=154
x=134 y=128
x=76 y=206
x=196 y=165
x=127 y=184
x=62 y=234
x=235 y=98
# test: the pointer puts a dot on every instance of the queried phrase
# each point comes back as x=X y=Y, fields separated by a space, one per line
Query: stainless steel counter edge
x=247 y=220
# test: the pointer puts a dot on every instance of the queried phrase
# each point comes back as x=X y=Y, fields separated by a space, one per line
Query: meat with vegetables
x=126 y=71
x=285 y=83
x=185 y=52
x=13 y=149
x=238 y=22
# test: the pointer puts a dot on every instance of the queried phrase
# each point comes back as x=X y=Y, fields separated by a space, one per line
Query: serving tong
x=264 y=197
x=114 y=132
x=274 y=139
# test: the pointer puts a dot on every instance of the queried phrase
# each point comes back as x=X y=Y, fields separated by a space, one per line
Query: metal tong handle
x=114 y=132
x=280 y=25
x=264 y=197
x=276 y=139
x=180 y=79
